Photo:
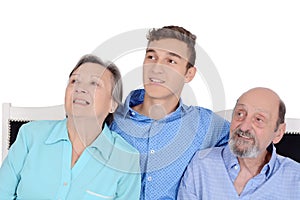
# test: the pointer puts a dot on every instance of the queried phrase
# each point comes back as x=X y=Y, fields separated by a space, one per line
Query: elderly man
x=248 y=167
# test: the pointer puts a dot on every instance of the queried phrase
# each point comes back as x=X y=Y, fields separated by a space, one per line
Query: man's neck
x=157 y=108
x=255 y=165
x=250 y=167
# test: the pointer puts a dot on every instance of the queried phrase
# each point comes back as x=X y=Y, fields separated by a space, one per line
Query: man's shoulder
x=213 y=153
x=289 y=164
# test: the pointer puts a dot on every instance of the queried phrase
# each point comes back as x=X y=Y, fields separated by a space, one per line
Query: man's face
x=253 y=123
x=164 y=67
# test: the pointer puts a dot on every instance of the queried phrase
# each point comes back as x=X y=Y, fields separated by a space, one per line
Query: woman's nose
x=81 y=89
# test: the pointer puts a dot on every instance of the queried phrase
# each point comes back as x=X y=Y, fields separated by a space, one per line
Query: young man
x=154 y=120
x=247 y=168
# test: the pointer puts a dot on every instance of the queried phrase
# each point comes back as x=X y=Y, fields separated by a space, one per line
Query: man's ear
x=190 y=74
x=279 y=133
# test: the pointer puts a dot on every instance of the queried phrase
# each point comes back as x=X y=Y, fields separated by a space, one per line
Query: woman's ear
x=279 y=133
x=113 y=106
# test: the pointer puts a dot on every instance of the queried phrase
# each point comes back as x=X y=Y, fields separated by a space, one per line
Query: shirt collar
x=231 y=161
x=59 y=133
x=136 y=97
x=104 y=143
x=269 y=167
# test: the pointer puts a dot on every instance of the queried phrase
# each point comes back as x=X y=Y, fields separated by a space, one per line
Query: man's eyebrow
x=174 y=54
x=150 y=51
x=170 y=53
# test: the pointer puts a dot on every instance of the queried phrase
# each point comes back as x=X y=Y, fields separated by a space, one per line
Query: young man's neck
x=157 y=108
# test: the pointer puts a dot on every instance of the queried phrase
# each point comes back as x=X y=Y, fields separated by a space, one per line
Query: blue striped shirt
x=212 y=172
x=167 y=145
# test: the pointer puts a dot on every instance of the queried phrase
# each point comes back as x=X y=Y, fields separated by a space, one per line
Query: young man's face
x=164 y=69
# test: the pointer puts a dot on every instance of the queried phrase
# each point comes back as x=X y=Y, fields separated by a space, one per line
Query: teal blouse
x=38 y=166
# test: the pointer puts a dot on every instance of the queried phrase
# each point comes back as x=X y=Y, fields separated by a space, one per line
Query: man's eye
x=259 y=119
x=150 y=57
x=72 y=81
x=239 y=115
x=172 y=61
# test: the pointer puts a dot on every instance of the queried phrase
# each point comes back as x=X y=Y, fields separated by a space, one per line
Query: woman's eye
x=95 y=83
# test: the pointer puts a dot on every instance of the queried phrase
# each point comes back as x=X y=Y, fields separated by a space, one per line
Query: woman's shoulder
x=39 y=125
x=122 y=143
x=41 y=128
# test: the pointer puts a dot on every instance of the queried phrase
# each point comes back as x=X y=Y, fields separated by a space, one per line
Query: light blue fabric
x=166 y=146
x=212 y=172
x=38 y=166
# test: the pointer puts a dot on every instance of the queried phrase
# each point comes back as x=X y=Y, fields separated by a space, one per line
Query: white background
x=251 y=43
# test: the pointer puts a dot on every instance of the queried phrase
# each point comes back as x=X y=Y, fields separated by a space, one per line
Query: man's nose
x=246 y=124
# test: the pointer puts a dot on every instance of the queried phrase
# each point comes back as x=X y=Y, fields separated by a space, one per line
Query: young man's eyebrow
x=150 y=51
x=170 y=53
x=174 y=54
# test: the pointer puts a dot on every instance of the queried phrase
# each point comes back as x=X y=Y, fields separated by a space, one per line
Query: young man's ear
x=279 y=133
x=190 y=74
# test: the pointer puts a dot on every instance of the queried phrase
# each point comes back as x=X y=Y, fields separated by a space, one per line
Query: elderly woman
x=78 y=157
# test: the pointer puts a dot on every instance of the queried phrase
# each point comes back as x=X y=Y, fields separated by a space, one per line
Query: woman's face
x=89 y=92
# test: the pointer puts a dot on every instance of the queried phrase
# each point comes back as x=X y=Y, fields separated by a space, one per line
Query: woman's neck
x=84 y=129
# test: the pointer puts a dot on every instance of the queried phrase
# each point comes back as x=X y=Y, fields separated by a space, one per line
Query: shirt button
x=152 y=151
x=149 y=178
x=65 y=183
x=132 y=113
x=236 y=167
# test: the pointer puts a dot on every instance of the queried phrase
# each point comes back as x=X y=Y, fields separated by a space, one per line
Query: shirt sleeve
x=224 y=136
x=218 y=132
x=130 y=186
x=189 y=185
x=12 y=166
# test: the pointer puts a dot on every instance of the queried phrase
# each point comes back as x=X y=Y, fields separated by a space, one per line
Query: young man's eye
x=172 y=61
x=73 y=81
x=150 y=57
